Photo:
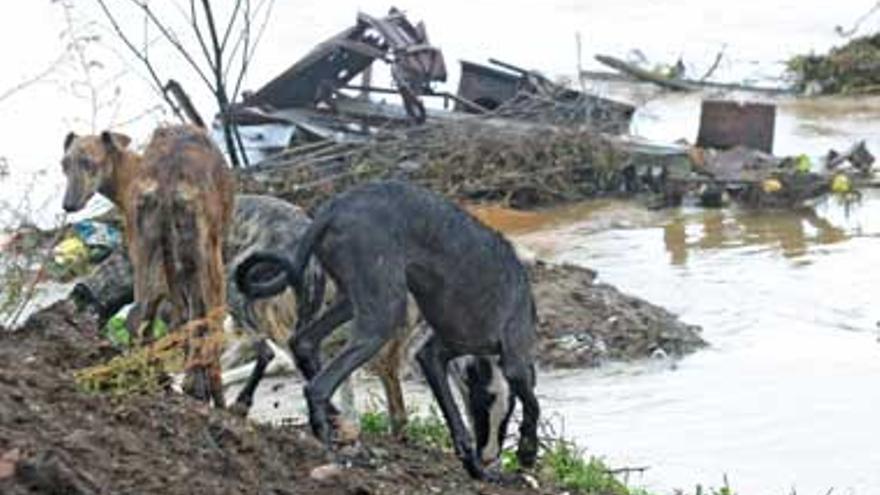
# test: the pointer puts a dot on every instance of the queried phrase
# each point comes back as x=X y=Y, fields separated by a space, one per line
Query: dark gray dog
x=259 y=222
x=380 y=241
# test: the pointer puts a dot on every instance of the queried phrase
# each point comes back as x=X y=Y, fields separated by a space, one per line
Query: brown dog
x=177 y=203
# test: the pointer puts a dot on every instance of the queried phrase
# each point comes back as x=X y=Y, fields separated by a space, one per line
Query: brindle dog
x=177 y=202
x=259 y=222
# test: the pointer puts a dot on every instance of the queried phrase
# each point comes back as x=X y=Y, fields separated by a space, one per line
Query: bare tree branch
x=846 y=33
x=194 y=20
x=171 y=38
x=33 y=79
x=157 y=83
x=221 y=57
x=254 y=45
x=715 y=64
x=231 y=23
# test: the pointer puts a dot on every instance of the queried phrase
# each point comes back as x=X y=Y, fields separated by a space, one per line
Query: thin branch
x=194 y=20
x=245 y=59
x=254 y=46
x=240 y=40
x=715 y=64
x=171 y=38
x=78 y=46
x=137 y=117
x=33 y=79
x=218 y=54
x=846 y=33
x=232 y=18
x=220 y=89
x=157 y=83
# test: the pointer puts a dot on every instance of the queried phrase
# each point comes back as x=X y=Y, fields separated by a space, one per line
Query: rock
x=326 y=472
x=531 y=481
x=659 y=354
x=7 y=463
x=409 y=166
x=347 y=432
x=52 y=471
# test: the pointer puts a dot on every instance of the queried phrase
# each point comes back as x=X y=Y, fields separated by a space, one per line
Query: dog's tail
x=292 y=268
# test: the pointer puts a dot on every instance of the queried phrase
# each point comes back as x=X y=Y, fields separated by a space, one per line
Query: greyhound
x=381 y=240
x=176 y=201
x=104 y=165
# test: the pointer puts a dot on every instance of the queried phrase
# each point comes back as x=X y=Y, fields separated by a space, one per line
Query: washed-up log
x=636 y=72
x=643 y=74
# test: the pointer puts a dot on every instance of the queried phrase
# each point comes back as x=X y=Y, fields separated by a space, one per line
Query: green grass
x=428 y=430
x=565 y=464
x=561 y=462
x=375 y=423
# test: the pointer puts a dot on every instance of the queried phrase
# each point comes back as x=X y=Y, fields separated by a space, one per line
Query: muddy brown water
x=787 y=395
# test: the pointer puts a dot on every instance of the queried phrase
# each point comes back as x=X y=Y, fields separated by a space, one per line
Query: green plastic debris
x=117 y=333
x=803 y=164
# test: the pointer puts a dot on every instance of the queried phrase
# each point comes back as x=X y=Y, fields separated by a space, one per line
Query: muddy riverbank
x=582 y=322
x=57 y=439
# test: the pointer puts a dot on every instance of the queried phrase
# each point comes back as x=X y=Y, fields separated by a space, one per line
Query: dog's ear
x=68 y=140
x=114 y=141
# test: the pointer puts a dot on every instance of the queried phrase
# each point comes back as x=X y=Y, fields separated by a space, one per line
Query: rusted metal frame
x=363 y=48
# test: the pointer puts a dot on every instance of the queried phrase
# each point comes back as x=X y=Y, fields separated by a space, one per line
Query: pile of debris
x=848 y=69
x=584 y=323
x=473 y=159
x=511 y=132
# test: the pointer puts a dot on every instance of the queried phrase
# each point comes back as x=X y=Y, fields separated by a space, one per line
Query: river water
x=787 y=394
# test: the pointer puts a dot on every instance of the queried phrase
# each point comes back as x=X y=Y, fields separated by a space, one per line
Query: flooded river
x=787 y=395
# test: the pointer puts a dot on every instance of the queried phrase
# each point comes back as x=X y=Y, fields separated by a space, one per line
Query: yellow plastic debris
x=771 y=185
x=840 y=184
x=70 y=251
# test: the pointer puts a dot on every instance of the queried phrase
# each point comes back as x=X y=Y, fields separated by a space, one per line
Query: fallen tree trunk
x=643 y=74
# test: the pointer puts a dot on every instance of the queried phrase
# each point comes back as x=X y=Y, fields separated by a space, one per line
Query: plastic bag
x=117 y=333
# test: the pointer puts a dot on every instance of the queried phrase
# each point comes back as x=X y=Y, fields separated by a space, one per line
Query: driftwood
x=639 y=73
x=636 y=72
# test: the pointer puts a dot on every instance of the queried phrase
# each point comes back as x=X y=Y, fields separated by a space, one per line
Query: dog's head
x=489 y=403
x=88 y=164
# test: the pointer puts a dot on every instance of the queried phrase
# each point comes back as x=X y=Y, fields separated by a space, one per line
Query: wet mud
x=55 y=438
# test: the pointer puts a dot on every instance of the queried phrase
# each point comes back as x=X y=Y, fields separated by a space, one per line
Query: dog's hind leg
x=305 y=343
x=388 y=368
x=380 y=309
x=245 y=399
x=434 y=359
x=364 y=344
